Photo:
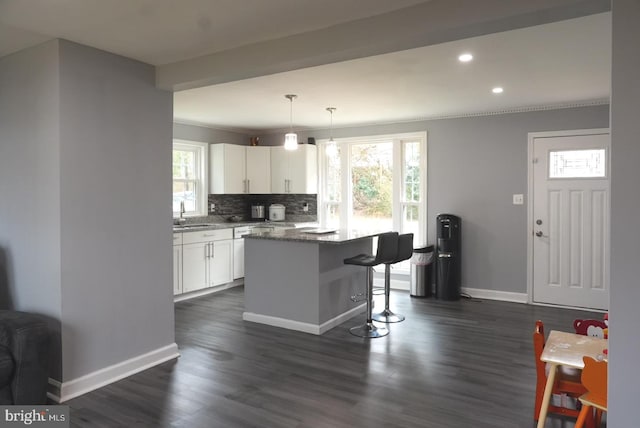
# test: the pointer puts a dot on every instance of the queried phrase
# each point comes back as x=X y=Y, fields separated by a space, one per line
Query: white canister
x=276 y=212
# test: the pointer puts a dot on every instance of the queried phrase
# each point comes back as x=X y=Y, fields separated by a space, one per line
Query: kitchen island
x=296 y=278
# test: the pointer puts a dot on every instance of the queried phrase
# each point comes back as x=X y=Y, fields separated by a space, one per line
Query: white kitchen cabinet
x=207 y=259
x=220 y=264
x=239 y=169
x=258 y=169
x=294 y=171
x=238 y=258
x=194 y=266
x=177 y=263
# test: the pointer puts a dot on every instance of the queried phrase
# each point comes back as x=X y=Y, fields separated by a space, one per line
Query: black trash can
x=421 y=272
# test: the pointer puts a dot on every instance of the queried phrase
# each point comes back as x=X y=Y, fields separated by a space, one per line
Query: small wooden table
x=566 y=349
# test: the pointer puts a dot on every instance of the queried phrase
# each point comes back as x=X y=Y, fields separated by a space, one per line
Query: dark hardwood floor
x=449 y=365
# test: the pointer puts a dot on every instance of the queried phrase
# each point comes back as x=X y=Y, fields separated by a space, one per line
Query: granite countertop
x=303 y=235
x=230 y=225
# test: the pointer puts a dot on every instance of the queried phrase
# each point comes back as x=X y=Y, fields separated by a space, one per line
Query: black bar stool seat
x=405 y=251
x=386 y=252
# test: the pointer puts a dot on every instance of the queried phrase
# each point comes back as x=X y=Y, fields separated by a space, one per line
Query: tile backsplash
x=240 y=205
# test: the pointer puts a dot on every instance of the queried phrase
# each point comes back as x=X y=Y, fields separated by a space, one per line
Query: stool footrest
x=387 y=316
x=358 y=297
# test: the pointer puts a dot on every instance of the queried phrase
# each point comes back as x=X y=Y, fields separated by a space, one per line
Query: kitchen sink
x=191 y=226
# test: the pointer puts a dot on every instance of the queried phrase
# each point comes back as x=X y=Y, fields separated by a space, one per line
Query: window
x=412 y=171
x=577 y=163
x=189 y=178
x=375 y=183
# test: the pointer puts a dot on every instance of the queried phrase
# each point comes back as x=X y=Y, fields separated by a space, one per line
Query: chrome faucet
x=182 y=211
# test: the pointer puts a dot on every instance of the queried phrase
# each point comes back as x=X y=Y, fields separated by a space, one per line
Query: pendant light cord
x=331 y=110
x=331 y=126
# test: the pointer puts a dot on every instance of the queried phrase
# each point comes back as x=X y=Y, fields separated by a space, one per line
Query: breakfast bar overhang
x=296 y=278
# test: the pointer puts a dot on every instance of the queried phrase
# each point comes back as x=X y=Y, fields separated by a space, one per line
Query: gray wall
x=475 y=165
x=116 y=239
x=624 y=377
x=30 y=277
x=85 y=152
x=209 y=135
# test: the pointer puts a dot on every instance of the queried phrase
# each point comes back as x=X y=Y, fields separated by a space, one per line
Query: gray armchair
x=24 y=358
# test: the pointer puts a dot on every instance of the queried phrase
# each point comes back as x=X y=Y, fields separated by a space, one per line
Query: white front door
x=570 y=218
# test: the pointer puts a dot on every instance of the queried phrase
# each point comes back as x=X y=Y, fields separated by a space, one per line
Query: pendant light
x=332 y=147
x=291 y=138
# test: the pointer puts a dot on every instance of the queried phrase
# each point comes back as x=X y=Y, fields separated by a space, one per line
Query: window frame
x=399 y=201
x=201 y=151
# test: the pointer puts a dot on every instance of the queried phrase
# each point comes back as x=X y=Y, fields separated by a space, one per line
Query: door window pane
x=577 y=163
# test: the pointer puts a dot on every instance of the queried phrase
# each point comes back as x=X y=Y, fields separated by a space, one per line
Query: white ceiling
x=558 y=64
x=561 y=63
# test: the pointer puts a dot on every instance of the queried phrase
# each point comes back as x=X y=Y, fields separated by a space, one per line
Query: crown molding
x=523 y=109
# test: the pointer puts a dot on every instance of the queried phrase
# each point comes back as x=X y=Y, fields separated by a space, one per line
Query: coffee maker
x=258 y=212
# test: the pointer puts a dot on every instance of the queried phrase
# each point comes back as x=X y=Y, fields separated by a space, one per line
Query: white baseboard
x=209 y=290
x=478 y=293
x=63 y=391
x=302 y=326
x=505 y=296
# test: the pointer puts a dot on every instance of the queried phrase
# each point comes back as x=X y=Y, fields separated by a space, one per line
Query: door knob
x=539 y=234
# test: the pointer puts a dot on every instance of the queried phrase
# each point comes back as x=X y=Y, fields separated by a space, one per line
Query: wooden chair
x=594 y=379
x=567 y=380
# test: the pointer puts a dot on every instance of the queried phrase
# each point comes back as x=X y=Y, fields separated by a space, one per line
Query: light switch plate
x=518 y=199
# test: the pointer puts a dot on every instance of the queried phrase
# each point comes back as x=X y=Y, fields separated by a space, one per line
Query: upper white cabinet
x=258 y=169
x=239 y=169
x=294 y=171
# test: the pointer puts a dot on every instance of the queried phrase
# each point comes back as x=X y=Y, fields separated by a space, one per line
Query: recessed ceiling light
x=497 y=90
x=465 y=57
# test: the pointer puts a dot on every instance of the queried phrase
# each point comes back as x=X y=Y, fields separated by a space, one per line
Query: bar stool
x=387 y=251
x=405 y=251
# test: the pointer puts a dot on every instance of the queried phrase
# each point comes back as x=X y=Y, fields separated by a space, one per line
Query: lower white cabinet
x=177 y=263
x=207 y=259
x=194 y=267
x=238 y=258
x=220 y=265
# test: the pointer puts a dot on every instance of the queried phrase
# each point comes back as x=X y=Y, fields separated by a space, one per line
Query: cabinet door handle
x=213 y=254
x=248 y=186
x=206 y=251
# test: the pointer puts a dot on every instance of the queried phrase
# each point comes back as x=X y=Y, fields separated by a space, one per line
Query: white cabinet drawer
x=206 y=235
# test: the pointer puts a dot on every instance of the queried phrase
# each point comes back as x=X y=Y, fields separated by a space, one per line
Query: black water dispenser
x=448 y=278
